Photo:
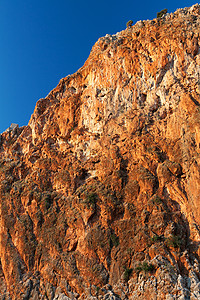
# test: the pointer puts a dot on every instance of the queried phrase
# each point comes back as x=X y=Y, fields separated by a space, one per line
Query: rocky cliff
x=99 y=193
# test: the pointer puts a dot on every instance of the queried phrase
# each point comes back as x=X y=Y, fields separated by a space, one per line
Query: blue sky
x=42 y=41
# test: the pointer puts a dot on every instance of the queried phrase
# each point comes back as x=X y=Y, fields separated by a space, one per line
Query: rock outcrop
x=99 y=193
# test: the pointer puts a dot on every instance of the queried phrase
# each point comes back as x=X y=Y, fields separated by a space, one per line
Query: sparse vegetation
x=161 y=13
x=127 y=274
x=114 y=240
x=156 y=238
x=174 y=241
x=145 y=267
x=129 y=24
x=91 y=199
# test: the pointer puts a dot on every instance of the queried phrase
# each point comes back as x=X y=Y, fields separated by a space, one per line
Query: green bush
x=174 y=241
x=114 y=240
x=145 y=267
x=156 y=238
x=161 y=13
x=129 y=23
x=127 y=274
x=91 y=200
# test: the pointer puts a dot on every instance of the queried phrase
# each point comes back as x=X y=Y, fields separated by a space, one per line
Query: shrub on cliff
x=161 y=13
x=127 y=274
x=174 y=241
x=156 y=238
x=129 y=23
x=114 y=240
x=91 y=200
x=144 y=267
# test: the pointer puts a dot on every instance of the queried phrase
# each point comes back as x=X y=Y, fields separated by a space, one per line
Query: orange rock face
x=99 y=193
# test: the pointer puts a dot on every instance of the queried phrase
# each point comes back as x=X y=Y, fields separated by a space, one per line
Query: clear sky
x=42 y=41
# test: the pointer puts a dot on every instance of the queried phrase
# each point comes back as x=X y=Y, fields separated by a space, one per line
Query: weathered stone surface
x=99 y=193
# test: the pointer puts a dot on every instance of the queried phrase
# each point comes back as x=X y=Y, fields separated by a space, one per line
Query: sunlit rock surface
x=99 y=193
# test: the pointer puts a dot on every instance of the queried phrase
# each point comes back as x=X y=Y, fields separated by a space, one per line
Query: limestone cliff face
x=99 y=194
